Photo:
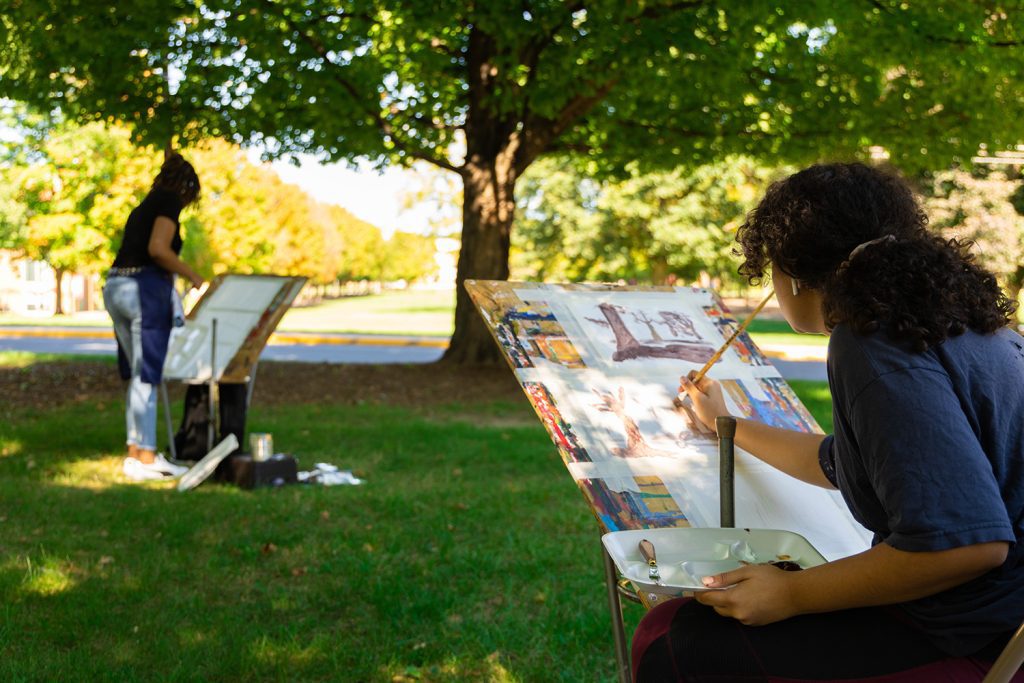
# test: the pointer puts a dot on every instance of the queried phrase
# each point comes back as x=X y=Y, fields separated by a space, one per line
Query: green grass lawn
x=408 y=312
x=765 y=331
x=469 y=554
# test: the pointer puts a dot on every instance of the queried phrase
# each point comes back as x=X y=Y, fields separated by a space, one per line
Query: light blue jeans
x=121 y=298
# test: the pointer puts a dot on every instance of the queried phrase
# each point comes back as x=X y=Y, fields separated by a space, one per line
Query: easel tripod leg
x=615 y=608
x=167 y=418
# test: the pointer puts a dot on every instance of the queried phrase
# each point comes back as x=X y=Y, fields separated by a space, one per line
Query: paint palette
x=686 y=555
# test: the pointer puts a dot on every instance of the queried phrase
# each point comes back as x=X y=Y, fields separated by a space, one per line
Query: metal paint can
x=261 y=446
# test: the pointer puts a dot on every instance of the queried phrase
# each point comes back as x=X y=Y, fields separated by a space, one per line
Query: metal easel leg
x=251 y=385
x=212 y=405
x=615 y=608
x=167 y=418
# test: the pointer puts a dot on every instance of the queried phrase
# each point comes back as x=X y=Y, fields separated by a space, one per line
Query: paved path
x=794 y=362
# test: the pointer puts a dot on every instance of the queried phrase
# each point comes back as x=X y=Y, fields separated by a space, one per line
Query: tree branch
x=531 y=52
x=375 y=116
x=537 y=134
x=658 y=11
x=945 y=39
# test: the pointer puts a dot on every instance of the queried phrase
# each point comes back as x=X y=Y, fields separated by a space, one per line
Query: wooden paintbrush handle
x=728 y=342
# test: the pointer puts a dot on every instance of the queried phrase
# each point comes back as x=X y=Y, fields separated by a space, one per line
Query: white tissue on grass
x=329 y=475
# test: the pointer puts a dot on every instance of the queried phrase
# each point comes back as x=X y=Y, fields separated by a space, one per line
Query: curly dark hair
x=920 y=287
x=178 y=176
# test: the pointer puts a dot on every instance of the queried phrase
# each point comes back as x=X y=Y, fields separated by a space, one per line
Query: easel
x=213 y=403
x=618 y=587
x=247 y=308
x=564 y=339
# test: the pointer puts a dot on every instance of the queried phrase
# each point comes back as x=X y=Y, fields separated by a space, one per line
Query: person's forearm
x=885 y=576
x=170 y=262
x=795 y=453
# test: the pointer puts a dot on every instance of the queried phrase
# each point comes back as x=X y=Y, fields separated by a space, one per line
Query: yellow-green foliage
x=64 y=199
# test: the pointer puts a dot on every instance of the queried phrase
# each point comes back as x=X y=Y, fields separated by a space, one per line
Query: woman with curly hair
x=139 y=295
x=927 y=382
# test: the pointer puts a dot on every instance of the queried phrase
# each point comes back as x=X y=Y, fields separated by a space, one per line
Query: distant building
x=29 y=288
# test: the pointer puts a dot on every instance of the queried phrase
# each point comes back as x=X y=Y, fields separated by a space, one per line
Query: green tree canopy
x=410 y=257
x=984 y=206
x=646 y=226
x=66 y=196
x=484 y=88
x=66 y=192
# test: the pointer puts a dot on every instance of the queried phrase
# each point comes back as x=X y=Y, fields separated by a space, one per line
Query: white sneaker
x=165 y=466
x=136 y=470
x=160 y=468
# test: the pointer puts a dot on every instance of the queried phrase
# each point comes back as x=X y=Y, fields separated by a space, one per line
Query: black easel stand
x=212 y=411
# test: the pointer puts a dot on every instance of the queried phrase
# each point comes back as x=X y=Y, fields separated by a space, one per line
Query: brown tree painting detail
x=636 y=445
x=678 y=324
x=696 y=428
x=629 y=347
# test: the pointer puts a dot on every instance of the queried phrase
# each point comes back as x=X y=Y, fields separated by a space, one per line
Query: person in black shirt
x=140 y=297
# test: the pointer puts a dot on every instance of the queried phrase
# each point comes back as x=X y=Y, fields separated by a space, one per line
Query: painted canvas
x=247 y=309
x=601 y=364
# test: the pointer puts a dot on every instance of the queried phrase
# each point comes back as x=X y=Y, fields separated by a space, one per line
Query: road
x=330 y=349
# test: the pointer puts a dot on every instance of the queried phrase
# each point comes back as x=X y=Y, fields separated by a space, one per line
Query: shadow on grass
x=468 y=555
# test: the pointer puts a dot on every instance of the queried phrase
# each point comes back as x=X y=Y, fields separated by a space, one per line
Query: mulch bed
x=50 y=384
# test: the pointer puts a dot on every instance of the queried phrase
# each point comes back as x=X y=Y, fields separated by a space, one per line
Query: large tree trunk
x=500 y=146
x=487 y=211
x=488 y=201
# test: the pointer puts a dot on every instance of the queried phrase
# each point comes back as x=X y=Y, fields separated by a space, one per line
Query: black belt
x=125 y=272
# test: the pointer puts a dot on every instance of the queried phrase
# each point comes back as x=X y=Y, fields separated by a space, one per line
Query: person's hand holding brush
x=706 y=397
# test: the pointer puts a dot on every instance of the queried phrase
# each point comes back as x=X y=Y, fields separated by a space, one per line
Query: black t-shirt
x=134 y=251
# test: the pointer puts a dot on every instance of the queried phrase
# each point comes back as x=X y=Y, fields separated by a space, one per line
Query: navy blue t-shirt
x=134 y=250
x=928 y=453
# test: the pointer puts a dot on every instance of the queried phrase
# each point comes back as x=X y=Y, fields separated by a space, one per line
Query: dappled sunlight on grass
x=97 y=474
x=17 y=359
x=10 y=447
x=89 y=473
x=24 y=359
x=489 y=669
x=469 y=554
x=191 y=637
x=290 y=656
x=45 y=576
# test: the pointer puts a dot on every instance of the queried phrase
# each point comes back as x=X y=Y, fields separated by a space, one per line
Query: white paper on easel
x=640 y=462
x=237 y=305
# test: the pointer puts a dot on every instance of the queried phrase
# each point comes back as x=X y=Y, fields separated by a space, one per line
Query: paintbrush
x=699 y=375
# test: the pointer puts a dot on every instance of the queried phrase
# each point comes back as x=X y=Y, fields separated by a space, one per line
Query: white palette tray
x=687 y=555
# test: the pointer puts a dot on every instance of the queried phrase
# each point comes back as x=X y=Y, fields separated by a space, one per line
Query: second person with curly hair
x=927 y=382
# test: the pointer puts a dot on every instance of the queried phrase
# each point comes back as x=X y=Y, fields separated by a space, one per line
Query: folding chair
x=1009 y=660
